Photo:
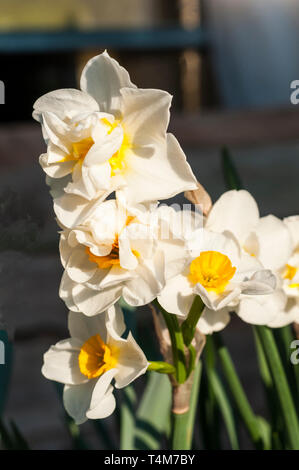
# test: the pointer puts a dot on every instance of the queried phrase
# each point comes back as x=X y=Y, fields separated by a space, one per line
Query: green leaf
x=209 y=415
x=12 y=439
x=230 y=173
x=103 y=433
x=245 y=411
x=20 y=442
x=224 y=406
x=153 y=414
x=281 y=385
x=127 y=418
x=266 y=432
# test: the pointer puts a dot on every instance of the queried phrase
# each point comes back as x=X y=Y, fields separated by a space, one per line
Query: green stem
x=189 y=325
x=283 y=338
x=243 y=406
x=177 y=343
x=161 y=367
x=225 y=408
x=280 y=381
x=220 y=393
x=183 y=424
x=276 y=422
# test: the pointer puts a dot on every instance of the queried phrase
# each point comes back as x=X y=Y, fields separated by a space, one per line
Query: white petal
x=55 y=154
x=211 y=321
x=102 y=78
x=81 y=184
x=163 y=166
x=126 y=257
x=105 y=278
x=235 y=211
x=217 y=301
x=58 y=131
x=274 y=241
x=55 y=170
x=66 y=292
x=115 y=317
x=71 y=210
x=177 y=296
x=61 y=362
x=148 y=283
x=104 y=408
x=102 y=150
x=92 y=302
x=145 y=114
x=288 y=314
x=261 y=309
x=141 y=238
x=65 y=103
x=79 y=268
x=83 y=327
x=176 y=257
x=65 y=249
x=292 y=223
x=262 y=282
x=100 y=176
x=131 y=360
x=204 y=240
x=76 y=400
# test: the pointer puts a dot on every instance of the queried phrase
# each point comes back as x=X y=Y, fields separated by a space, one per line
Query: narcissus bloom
x=108 y=136
x=90 y=359
x=116 y=251
x=272 y=242
x=217 y=271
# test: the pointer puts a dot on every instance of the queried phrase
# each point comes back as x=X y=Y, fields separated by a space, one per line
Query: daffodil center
x=105 y=262
x=118 y=162
x=112 y=259
x=96 y=357
x=80 y=149
x=289 y=273
x=212 y=269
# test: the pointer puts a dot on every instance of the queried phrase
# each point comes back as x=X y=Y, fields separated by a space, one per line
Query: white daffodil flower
x=109 y=135
x=90 y=359
x=289 y=278
x=217 y=271
x=272 y=242
x=290 y=272
x=117 y=251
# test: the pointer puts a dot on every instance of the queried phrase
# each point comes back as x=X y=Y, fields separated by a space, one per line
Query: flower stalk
x=280 y=381
x=183 y=421
x=188 y=326
x=249 y=418
x=177 y=343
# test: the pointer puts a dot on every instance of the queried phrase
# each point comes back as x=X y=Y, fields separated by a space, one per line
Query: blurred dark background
x=228 y=65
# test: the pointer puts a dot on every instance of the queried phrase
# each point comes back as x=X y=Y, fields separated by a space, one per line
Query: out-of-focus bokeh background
x=228 y=65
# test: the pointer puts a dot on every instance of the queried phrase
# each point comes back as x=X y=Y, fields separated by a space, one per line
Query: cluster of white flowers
x=110 y=139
